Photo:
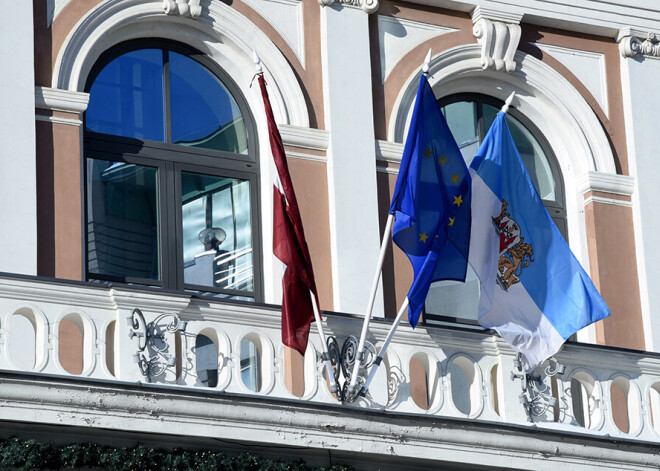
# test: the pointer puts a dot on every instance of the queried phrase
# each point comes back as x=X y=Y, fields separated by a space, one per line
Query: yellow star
x=455 y=178
x=442 y=160
x=423 y=237
x=451 y=221
x=458 y=200
x=428 y=153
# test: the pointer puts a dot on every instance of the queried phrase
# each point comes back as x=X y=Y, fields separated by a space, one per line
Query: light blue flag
x=431 y=201
x=535 y=293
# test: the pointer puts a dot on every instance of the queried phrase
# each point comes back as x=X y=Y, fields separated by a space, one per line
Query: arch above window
x=223 y=35
x=543 y=95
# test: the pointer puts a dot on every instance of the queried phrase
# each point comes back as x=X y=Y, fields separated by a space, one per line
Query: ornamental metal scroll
x=152 y=355
x=536 y=396
x=343 y=363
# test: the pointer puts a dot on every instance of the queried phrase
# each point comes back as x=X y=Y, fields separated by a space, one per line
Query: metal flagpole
x=359 y=358
x=334 y=388
x=507 y=103
x=317 y=316
x=367 y=317
x=379 y=358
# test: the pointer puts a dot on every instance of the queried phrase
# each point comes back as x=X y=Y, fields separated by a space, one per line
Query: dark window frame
x=171 y=160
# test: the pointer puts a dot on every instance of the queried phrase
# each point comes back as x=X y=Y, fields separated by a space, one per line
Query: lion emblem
x=515 y=253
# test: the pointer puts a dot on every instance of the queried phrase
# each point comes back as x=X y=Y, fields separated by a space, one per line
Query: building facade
x=139 y=291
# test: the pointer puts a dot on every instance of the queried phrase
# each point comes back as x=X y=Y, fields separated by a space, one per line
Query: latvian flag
x=289 y=245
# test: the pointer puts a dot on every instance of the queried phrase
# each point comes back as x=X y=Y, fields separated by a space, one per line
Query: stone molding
x=620 y=185
x=623 y=185
x=307 y=138
x=387 y=151
x=189 y=8
x=498 y=33
x=630 y=44
x=55 y=99
x=368 y=6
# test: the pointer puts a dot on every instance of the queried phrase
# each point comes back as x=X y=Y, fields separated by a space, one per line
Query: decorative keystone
x=190 y=8
x=369 y=6
x=498 y=33
x=631 y=45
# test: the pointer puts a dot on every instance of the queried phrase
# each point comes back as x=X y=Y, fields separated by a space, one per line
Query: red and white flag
x=289 y=245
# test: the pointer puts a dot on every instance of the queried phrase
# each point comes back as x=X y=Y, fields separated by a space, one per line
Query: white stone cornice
x=389 y=151
x=307 y=138
x=606 y=183
x=369 y=6
x=54 y=99
x=498 y=32
x=190 y=8
x=496 y=14
x=631 y=43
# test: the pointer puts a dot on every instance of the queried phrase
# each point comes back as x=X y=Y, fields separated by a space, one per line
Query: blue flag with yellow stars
x=431 y=202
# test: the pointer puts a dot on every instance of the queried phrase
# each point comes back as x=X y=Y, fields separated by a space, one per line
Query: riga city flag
x=431 y=201
x=534 y=291
x=289 y=245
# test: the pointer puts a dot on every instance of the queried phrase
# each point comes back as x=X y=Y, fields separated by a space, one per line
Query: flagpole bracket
x=344 y=360
x=153 y=355
x=536 y=396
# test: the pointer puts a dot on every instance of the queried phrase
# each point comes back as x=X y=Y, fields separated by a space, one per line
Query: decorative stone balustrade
x=90 y=332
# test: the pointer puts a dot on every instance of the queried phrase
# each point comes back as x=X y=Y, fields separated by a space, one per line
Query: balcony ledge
x=353 y=435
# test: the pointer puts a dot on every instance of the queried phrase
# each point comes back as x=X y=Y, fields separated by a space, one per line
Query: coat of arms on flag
x=515 y=254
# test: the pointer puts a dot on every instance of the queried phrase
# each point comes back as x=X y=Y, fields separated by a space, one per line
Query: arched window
x=171 y=173
x=469 y=117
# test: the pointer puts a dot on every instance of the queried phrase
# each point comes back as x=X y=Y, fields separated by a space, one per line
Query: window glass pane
x=204 y=114
x=122 y=220
x=126 y=98
x=462 y=121
x=535 y=160
x=217 y=232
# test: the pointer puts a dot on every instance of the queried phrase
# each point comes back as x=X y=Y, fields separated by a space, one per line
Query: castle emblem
x=515 y=254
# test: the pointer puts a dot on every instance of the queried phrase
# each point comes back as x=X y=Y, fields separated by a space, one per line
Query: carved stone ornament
x=498 y=34
x=369 y=6
x=630 y=45
x=190 y=8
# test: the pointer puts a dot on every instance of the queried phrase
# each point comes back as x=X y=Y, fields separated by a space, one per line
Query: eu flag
x=431 y=201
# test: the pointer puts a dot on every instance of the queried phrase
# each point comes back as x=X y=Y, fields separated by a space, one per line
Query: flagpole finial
x=427 y=63
x=257 y=62
x=508 y=101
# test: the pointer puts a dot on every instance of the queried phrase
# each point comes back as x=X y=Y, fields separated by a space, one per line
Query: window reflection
x=122 y=217
x=126 y=98
x=204 y=114
x=217 y=233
